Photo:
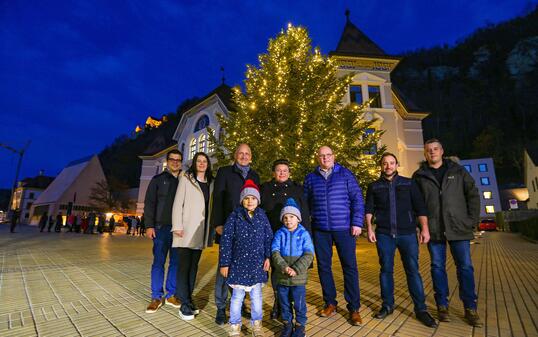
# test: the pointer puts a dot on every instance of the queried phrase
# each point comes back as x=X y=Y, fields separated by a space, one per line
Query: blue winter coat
x=335 y=203
x=244 y=246
x=295 y=250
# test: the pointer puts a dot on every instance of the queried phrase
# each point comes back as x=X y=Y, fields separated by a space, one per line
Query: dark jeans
x=408 y=247
x=186 y=272
x=162 y=246
x=221 y=290
x=298 y=295
x=345 y=247
x=461 y=253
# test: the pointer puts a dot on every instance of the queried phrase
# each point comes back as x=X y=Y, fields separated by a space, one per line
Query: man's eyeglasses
x=174 y=160
x=328 y=155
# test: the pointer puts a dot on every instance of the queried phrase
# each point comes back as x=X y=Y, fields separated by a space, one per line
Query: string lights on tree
x=293 y=104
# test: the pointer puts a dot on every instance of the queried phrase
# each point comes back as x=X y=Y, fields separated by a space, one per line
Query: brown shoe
x=442 y=313
x=173 y=301
x=355 y=317
x=155 y=304
x=328 y=310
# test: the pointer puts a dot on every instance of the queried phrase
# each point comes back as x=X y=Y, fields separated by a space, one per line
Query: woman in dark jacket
x=274 y=194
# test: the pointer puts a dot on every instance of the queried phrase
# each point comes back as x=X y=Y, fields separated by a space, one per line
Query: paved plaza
x=96 y=285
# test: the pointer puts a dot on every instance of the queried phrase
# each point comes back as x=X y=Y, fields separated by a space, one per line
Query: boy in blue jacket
x=292 y=253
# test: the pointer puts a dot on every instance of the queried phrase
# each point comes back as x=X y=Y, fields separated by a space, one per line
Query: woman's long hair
x=192 y=169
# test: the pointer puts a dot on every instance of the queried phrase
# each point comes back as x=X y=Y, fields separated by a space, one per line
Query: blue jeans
x=461 y=253
x=345 y=247
x=408 y=247
x=238 y=295
x=162 y=246
x=298 y=295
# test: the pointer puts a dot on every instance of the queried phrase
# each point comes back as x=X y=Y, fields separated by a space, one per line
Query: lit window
x=484 y=181
x=164 y=165
x=202 y=143
x=468 y=168
x=482 y=167
x=374 y=92
x=355 y=94
x=490 y=209
x=210 y=144
x=192 y=151
x=487 y=194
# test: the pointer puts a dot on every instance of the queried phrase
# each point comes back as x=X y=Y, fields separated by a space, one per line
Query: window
x=374 y=92
x=182 y=148
x=210 y=144
x=487 y=194
x=202 y=144
x=355 y=94
x=29 y=205
x=202 y=123
x=533 y=186
x=490 y=209
x=368 y=133
x=484 y=181
x=482 y=167
x=468 y=168
x=192 y=148
x=164 y=166
x=31 y=196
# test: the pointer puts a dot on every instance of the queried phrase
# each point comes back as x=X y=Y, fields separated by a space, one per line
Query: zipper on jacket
x=393 y=211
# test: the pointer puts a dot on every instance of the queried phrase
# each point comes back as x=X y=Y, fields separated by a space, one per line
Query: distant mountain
x=482 y=93
x=120 y=159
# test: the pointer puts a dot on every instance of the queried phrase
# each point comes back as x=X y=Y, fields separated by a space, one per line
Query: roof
x=409 y=104
x=40 y=182
x=354 y=42
x=79 y=161
x=224 y=92
x=532 y=151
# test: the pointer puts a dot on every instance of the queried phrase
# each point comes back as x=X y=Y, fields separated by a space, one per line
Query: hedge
x=527 y=227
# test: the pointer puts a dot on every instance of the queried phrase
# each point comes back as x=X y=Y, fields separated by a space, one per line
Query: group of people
x=281 y=225
x=91 y=223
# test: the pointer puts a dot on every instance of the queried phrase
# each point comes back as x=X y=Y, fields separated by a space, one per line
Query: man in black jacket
x=226 y=191
x=274 y=194
x=158 y=218
x=396 y=202
x=453 y=206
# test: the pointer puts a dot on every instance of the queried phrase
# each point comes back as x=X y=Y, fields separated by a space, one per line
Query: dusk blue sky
x=74 y=75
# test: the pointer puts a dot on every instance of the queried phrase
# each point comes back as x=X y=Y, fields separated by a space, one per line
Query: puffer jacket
x=244 y=246
x=454 y=203
x=295 y=250
x=335 y=203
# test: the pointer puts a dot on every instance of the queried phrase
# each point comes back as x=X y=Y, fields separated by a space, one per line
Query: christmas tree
x=291 y=106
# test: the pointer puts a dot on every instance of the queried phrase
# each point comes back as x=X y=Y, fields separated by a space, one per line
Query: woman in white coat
x=190 y=226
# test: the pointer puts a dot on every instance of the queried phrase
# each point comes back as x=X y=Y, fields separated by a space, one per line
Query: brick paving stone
x=95 y=285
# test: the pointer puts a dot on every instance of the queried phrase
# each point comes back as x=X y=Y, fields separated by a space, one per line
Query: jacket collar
x=336 y=168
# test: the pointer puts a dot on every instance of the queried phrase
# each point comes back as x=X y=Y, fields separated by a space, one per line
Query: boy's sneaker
x=287 y=329
x=154 y=305
x=173 y=301
x=472 y=318
x=194 y=309
x=220 y=318
x=299 y=331
x=235 y=330
x=185 y=312
x=442 y=313
x=257 y=330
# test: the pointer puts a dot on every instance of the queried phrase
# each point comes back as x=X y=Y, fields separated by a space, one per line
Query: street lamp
x=21 y=154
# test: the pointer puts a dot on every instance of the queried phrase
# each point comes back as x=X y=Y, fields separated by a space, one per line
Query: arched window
x=202 y=123
x=210 y=144
x=192 y=149
x=202 y=144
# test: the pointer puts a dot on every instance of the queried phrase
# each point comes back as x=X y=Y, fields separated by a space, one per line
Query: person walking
x=453 y=205
x=396 y=202
x=190 y=226
x=158 y=205
x=337 y=210
x=43 y=221
x=244 y=257
x=227 y=187
x=274 y=194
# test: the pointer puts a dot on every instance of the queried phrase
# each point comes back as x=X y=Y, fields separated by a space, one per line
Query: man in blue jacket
x=337 y=211
x=396 y=202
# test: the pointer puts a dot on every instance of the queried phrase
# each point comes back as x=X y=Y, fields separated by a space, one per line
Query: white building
x=530 y=164
x=27 y=191
x=70 y=189
x=483 y=172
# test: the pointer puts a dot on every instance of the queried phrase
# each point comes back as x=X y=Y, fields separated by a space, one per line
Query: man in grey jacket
x=453 y=211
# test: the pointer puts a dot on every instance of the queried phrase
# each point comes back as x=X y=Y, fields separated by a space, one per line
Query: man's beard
x=391 y=175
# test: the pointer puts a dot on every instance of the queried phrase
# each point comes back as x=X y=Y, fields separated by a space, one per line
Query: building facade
x=483 y=172
x=27 y=192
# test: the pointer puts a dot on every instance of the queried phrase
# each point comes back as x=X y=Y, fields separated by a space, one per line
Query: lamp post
x=21 y=155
